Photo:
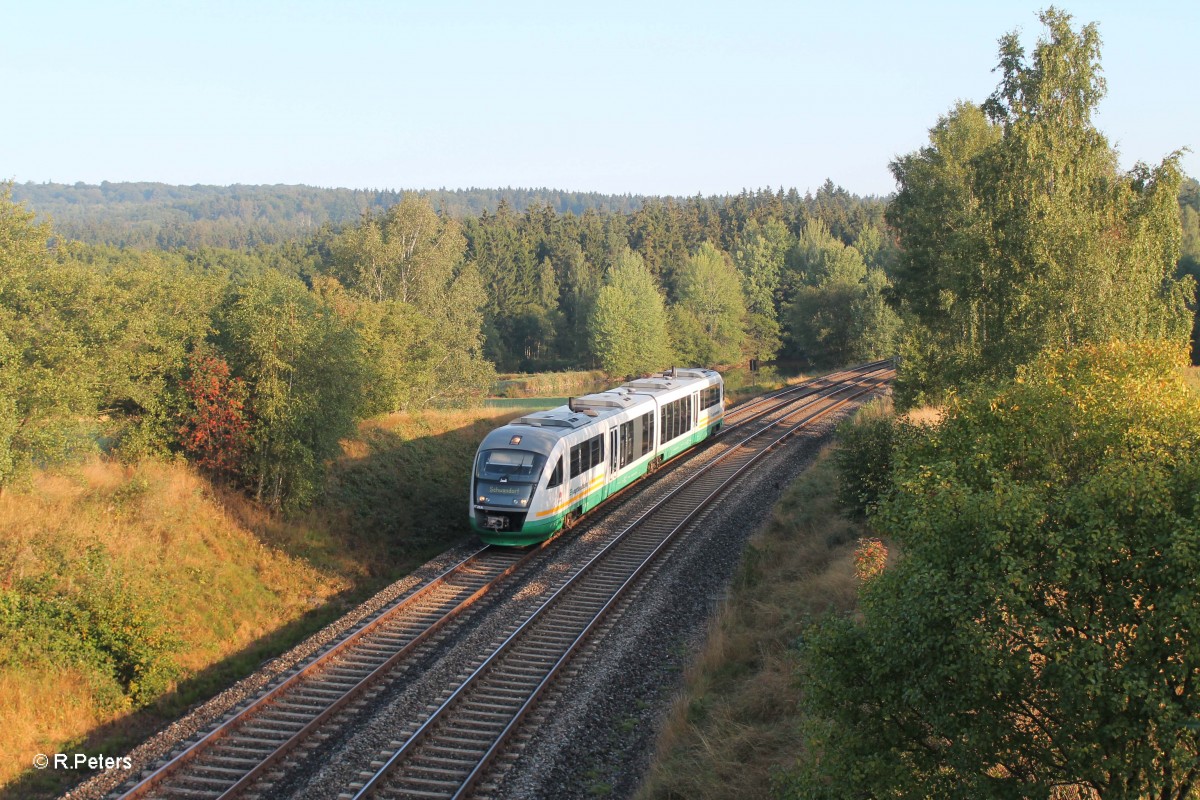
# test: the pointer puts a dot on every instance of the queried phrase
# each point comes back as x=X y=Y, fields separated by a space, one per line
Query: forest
x=162 y=216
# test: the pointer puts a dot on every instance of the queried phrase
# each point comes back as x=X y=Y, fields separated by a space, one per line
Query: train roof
x=585 y=409
x=669 y=380
x=540 y=430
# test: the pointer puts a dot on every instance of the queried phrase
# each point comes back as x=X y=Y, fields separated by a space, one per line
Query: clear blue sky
x=640 y=97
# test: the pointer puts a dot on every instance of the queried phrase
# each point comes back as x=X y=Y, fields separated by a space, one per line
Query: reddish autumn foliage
x=870 y=557
x=216 y=431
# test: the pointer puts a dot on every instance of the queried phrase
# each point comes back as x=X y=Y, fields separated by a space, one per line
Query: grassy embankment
x=736 y=720
x=128 y=593
x=549 y=385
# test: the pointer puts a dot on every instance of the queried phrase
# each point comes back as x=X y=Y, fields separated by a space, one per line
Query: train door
x=613 y=459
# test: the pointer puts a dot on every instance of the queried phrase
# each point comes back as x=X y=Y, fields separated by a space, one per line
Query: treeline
x=708 y=280
x=253 y=362
x=164 y=216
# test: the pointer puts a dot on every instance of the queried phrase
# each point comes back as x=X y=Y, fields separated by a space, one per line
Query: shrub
x=864 y=457
x=95 y=622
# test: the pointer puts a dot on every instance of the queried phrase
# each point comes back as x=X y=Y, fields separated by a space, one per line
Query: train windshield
x=516 y=466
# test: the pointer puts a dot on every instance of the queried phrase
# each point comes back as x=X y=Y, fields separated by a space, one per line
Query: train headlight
x=483 y=498
x=522 y=502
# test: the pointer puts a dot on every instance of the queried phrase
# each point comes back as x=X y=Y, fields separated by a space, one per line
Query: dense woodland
x=1043 y=298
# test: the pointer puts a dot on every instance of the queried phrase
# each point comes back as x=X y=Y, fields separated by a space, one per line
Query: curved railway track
x=229 y=758
x=450 y=753
x=232 y=757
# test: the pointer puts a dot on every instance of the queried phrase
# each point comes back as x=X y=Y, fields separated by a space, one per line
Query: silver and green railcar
x=546 y=469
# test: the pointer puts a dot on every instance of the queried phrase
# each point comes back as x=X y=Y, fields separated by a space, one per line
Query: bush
x=95 y=622
x=864 y=457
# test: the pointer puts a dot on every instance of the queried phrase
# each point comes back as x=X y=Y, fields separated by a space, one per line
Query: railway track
x=228 y=759
x=764 y=404
x=451 y=752
x=231 y=758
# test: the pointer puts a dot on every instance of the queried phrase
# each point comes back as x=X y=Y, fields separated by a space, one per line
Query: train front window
x=515 y=466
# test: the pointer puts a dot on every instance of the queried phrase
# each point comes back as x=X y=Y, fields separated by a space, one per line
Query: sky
x=617 y=97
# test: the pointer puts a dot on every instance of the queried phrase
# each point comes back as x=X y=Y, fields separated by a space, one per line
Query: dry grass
x=1192 y=376
x=551 y=384
x=736 y=720
x=164 y=533
x=741 y=384
x=925 y=415
x=41 y=712
x=438 y=422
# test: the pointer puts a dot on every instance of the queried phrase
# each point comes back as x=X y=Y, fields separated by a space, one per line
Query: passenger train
x=545 y=470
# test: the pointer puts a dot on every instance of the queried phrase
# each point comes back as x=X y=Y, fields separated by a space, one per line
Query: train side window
x=676 y=418
x=577 y=467
x=597 y=450
x=556 y=476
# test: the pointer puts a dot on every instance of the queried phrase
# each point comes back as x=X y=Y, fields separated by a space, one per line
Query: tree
x=47 y=364
x=521 y=314
x=1189 y=257
x=409 y=253
x=760 y=257
x=1020 y=233
x=712 y=306
x=838 y=315
x=307 y=378
x=877 y=326
x=419 y=313
x=215 y=431
x=1040 y=630
x=151 y=315
x=629 y=323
